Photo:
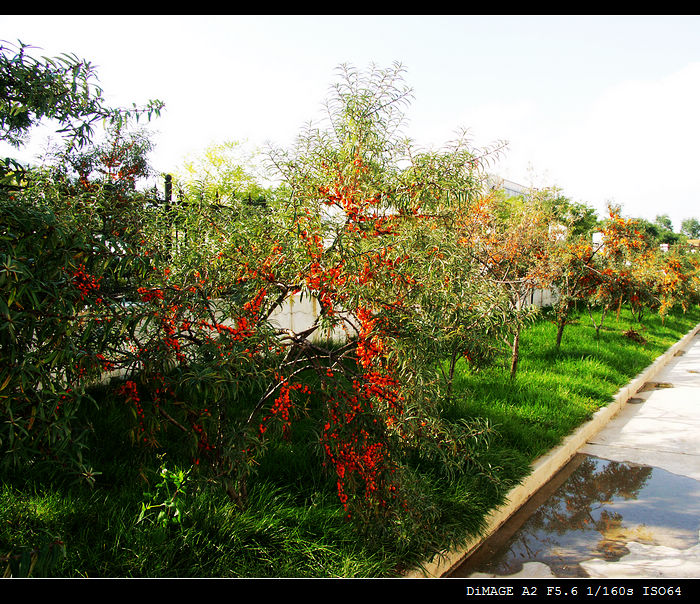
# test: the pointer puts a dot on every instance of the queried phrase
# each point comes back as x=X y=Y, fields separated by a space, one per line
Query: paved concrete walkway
x=658 y=427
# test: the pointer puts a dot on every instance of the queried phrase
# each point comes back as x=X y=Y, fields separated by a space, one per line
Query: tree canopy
x=62 y=89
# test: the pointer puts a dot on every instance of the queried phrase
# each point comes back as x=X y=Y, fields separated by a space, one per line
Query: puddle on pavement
x=591 y=509
x=655 y=386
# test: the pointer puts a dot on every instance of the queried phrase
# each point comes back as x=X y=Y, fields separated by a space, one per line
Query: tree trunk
x=515 y=354
x=560 y=332
x=238 y=496
x=602 y=318
x=450 y=377
x=597 y=326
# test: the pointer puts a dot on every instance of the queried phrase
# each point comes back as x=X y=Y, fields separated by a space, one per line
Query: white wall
x=299 y=312
x=542 y=297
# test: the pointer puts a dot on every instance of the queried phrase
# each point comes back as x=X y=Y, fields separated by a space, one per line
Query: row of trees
x=661 y=229
x=405 y=250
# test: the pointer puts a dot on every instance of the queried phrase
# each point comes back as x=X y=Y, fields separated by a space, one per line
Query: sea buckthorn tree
x=369 y=229
x=512 y=241
x=631 y=268
x=677 y=280
x=576 y=280
x=577 y=275
x=628 y=257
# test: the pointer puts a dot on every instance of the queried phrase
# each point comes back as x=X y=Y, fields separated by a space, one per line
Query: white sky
x=605 y=107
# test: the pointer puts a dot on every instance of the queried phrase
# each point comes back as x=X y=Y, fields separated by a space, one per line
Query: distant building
x=510 y=188
x=513 y=189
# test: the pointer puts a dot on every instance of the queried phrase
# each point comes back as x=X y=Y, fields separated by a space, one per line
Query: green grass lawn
x=553 y=393
x=293 y=526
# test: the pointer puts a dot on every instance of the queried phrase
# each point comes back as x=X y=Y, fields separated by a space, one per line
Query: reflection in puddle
x=592 y=509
